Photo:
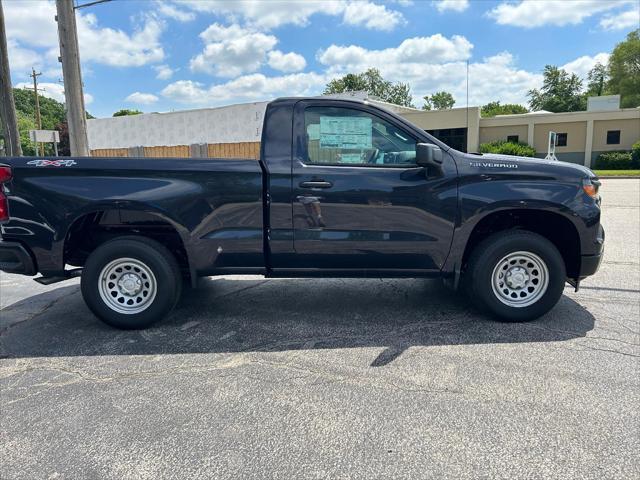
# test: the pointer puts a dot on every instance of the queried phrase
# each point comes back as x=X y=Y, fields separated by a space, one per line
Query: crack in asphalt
x=588 y=347
x=50 y=304
x=329 y=377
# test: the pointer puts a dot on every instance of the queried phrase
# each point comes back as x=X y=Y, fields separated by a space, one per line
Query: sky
x=163 y=55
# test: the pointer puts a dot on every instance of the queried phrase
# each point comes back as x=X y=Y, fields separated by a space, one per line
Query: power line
x=96 y=2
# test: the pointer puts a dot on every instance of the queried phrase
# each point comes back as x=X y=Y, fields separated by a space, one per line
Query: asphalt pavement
x=255 y=378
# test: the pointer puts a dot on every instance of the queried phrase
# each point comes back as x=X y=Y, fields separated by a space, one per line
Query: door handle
x=316 y=184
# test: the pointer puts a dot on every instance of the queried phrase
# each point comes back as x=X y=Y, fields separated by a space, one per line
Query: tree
x=439 y=101
x=560 y=92
x=51 y=111
x=52 y=115
x=126 y=111
x=624 y=70
x=492 y=109
x=372 y=82
x=598 y=77
x=26 y=123
x=64 y=147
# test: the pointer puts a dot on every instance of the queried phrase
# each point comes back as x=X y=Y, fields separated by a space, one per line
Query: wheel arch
x=92 y=227
x=555 y=227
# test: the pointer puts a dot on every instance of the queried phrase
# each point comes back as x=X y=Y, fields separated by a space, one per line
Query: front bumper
x=15 y=258
x=589 y=264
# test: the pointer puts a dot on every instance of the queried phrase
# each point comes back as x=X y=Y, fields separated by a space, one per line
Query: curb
x=619 y=176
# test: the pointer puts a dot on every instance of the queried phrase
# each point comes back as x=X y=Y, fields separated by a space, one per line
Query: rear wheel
x=516 y=276
x=131 y=282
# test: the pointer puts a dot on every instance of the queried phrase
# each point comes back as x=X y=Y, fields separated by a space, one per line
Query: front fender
x=478 y=200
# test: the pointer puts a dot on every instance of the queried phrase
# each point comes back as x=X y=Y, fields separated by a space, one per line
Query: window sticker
x=313 y=130
x=348 y=133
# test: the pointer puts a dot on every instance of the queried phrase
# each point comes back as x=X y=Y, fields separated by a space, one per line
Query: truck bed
x=214 y=205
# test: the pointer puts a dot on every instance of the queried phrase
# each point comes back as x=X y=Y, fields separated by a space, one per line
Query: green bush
x=635 y=155
x=520 y=149
x=614 y=161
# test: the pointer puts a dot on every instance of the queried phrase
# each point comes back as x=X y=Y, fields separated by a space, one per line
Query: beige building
x=582 y=136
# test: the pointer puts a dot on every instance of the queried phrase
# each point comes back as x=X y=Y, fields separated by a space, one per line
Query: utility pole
x=8 y=115
x=35 y=76
x=74 y=98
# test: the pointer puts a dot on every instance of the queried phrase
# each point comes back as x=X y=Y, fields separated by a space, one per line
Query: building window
x=613 y=137
x=453 y=137
x=561 y=140
x=513 y=138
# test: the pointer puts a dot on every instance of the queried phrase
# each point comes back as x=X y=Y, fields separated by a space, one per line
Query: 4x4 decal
x=52 y=163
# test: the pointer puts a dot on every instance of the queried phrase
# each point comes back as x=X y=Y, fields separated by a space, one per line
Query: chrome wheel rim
x=520 y=279
x=127 y=285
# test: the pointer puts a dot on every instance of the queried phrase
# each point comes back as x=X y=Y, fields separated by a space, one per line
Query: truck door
x=359 y=200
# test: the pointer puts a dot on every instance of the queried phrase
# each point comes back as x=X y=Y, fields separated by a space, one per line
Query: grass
x=617 y=173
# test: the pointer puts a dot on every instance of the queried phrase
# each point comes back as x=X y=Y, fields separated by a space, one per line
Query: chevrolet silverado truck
x=342 y=188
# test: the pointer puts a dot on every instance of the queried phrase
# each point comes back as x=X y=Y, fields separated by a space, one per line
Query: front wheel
x=131 y=282
x=516 y=276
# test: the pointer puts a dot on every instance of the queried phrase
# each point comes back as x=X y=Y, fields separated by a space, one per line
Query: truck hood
x=529 y=164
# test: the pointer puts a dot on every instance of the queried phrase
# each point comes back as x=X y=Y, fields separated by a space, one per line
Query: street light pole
x=74 y=98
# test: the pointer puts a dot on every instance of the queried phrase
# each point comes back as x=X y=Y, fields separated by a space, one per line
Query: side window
x=561 y=140
x=613 y=137
x=345 y=136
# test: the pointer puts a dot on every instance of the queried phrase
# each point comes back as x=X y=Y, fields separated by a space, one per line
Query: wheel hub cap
x=516 y=277
x=130 y=284
x=127 y=285
x=520 y=279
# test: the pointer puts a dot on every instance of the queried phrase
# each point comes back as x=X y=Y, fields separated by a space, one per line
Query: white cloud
x=54 y=73
x=454 y=5
x=22 y=59
x=142 y=98
x=254 y=87
x=185 y=91
x=412 y=51
x=53 y=90
x=431 y=64
x=620 y=21
x=171 y=11
x=581 y=65
x=231 y=51
x=286 y=62
x=494 y=78
x=263 y=14
x=117 y=48
x=32 y=23
x=372 y=16
x=534 y=13
x=163 y=72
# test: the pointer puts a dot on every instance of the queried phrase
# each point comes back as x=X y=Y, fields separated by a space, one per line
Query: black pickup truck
x=342 y=189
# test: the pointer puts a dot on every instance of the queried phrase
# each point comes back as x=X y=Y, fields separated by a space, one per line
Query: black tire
x=135 y=253
x=489 y=257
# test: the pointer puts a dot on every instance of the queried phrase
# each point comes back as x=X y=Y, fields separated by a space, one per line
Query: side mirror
x=428 y=155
